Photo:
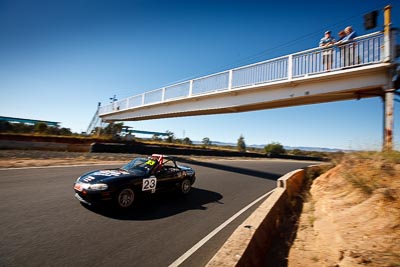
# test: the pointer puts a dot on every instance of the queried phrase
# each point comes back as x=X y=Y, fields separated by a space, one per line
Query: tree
x=187 y=141
x=52 y=130
x=23 y=128
x=5 y=126
x=241 y=145
x=170 y=137
x=274 y=148
x=113 y=129
x=40 y=127
x=206 y=141
x=65 y=131
x=156 y=137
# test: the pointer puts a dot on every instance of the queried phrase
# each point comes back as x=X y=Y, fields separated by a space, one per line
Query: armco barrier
x=250 y=242
x=146 y=149
x=168 y=150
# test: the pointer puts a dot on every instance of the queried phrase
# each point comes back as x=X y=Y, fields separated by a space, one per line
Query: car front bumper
x=77 y=196
x=90 y=198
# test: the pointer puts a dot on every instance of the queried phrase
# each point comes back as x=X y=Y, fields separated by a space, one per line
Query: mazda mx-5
x=140 y=176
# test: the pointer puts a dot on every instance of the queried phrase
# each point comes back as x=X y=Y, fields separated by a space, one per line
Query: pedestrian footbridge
x=354 y=70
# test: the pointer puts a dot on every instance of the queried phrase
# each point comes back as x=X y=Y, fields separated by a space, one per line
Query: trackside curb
x=250 y=242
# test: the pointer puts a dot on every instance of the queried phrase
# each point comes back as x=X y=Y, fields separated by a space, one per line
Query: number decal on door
x=149 y=184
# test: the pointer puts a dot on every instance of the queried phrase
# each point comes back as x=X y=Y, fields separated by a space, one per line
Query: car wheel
x=125 y=198
x=186 y=186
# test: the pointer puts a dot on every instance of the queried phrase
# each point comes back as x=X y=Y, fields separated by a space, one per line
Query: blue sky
x=59 y=58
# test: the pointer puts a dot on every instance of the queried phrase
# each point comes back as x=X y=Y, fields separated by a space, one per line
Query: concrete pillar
x=388 y=120
x=389 y=94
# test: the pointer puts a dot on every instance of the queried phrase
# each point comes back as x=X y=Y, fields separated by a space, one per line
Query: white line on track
x=216 y=231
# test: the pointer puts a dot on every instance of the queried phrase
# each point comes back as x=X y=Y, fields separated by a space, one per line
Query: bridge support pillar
x=388 y=101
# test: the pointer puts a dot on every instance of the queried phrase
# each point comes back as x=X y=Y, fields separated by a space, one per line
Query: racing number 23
x=149 y=184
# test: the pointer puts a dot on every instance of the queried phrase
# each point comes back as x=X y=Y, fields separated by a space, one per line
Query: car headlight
x=94 y=187
x=98 y=187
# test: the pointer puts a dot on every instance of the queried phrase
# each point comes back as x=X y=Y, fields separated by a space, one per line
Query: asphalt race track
x=42 y=224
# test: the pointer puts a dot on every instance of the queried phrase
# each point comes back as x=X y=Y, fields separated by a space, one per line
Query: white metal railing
x=177 y=90
x=211 y=83
x=364 y=50
x=263 y=72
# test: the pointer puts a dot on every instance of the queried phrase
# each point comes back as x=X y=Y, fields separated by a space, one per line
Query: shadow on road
x=255 y=173
x=160 y=205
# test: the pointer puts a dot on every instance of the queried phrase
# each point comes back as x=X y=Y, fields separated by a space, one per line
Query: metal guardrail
x=364 y=50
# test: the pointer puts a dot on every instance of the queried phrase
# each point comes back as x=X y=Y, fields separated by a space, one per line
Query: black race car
x=141 y=175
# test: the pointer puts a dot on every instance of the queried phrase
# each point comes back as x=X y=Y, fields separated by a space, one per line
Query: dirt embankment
x=352 y=215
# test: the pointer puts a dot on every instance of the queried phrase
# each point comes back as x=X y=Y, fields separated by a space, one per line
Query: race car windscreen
x=141 y=164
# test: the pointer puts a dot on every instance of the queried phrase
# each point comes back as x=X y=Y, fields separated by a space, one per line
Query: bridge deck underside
x=356 y=83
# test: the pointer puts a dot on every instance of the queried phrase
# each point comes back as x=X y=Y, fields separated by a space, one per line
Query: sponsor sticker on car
x=110 y=173
x=88 y=179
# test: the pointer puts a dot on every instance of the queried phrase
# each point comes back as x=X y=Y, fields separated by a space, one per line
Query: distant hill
x=303 y=148
x=317 y=149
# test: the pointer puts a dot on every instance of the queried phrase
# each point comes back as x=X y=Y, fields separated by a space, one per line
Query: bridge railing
x=364 y=50
x=263 y=72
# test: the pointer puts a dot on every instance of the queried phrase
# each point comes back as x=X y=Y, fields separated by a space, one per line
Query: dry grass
x=372 y=172
x=352 y=214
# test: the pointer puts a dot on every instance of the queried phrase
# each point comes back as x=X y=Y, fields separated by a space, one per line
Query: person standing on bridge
x=340 y=50
x=350 y=57
x=350 y=34
x=326 y=42
x=341 y=35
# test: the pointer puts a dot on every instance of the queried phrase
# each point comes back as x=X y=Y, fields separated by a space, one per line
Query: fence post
x=163 y=94
x=230 y=79
x=290 y=67
x=190 y=88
